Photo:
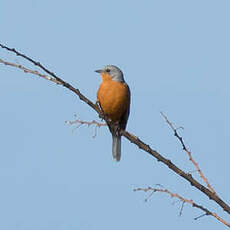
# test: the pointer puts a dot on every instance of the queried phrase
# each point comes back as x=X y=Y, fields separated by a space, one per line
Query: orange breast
x=113 y=97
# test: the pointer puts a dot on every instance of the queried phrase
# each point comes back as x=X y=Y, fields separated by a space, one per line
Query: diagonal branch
x=60 y=81
x=177 y=170
x=26 y=70
x=184 y=200
x=188 y=153
x=132 y=138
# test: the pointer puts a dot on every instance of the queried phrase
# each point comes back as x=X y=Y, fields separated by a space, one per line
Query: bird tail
x=116 y=147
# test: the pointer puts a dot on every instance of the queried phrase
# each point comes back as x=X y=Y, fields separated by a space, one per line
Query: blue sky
x=175 y=57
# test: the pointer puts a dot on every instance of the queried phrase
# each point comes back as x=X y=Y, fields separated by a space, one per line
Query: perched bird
x=113 y=97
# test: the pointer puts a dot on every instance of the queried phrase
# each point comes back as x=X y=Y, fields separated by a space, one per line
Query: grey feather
x=116 y=149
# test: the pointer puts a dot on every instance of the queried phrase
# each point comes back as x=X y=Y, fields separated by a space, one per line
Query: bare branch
x=88 y=123
x=93 y=122
x=132 y=138
x=188 y=153
x=173 y=167
x=26 y=70
x=184 y=200
x=60 y=81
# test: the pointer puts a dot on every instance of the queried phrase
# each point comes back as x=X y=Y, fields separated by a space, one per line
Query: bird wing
x=125 y=116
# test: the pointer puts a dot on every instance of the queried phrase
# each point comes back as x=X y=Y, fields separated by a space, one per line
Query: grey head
x=114 y=72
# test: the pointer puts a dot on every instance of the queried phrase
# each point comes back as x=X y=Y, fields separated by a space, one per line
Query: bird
x=113 y=97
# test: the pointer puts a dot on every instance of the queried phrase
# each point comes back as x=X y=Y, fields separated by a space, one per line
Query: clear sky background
x=175 y=56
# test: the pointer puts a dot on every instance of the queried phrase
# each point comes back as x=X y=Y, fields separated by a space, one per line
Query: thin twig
x=26 y=70
x=93 y=122
x=88 y=123
x=184 y=200
x=188 y=153
x=182 y=207
x=200 y=216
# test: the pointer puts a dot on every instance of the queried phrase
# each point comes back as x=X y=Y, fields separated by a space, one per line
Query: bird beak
x=99 y=71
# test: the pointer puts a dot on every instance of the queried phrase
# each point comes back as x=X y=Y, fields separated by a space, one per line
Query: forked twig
x=188 y=153
x=184 y=200
x=88 y=123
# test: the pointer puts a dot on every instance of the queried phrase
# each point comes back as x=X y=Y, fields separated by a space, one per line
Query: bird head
x=112 y=71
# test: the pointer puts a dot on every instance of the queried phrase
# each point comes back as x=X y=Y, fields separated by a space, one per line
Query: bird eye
x=107 y=70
